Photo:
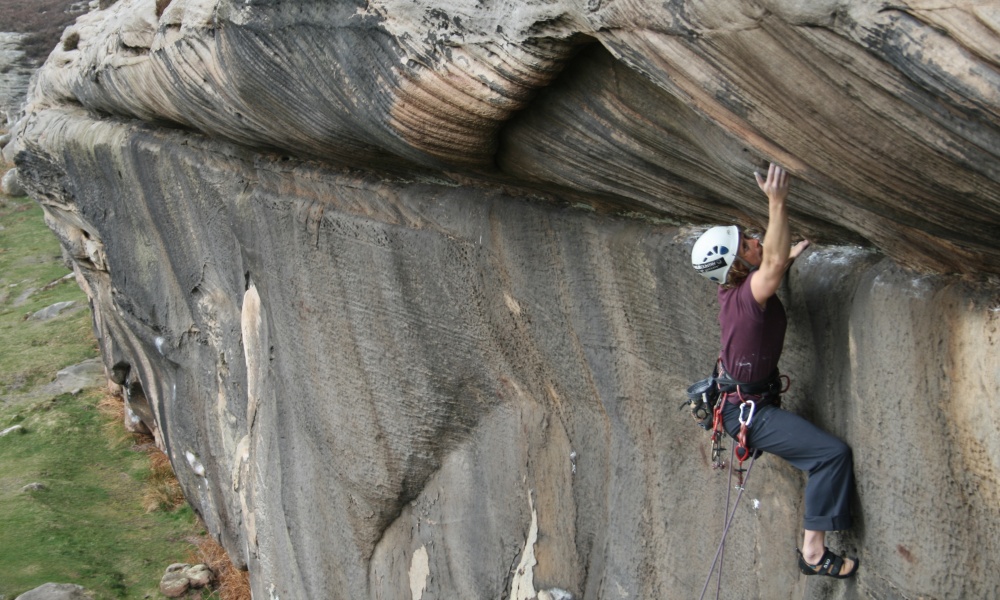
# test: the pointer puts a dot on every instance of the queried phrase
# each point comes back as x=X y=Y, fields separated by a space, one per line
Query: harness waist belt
x=766 y=391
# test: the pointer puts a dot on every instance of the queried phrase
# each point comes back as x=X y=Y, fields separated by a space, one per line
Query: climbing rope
x=743 y=477
x=741 y=452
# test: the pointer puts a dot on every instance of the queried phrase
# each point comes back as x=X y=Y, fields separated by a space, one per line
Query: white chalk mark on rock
x=419 y=570
x=194 y=463
x=523 y=585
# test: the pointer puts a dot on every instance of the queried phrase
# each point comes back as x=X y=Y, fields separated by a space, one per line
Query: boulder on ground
x=177 y=567
x=12 y=429
x=174 y=584
x=51 y=311
x=56 y=591
x=180 y=577
x=11 y=184
x=199 y=575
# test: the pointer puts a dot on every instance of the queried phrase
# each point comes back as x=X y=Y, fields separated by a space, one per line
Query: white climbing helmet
x=715 y=252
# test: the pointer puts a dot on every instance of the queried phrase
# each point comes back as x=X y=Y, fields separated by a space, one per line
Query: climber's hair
x=737 y=273
x=740 y=269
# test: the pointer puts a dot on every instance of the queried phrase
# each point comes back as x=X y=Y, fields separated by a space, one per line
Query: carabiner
x=750 y=416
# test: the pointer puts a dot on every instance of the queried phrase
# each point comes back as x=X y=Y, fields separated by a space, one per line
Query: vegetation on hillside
x=82 y=500
x=32 y=276
x=43 y=21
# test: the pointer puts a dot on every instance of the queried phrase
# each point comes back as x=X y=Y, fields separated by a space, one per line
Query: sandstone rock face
x=403 y=288
x=14 y=76
x=887 y=113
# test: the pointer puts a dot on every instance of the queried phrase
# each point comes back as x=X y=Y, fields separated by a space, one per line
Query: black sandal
x=830 y=565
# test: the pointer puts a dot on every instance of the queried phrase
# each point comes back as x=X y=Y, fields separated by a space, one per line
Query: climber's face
x=751 y=250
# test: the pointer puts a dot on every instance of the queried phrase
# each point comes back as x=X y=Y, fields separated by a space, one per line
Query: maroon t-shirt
x=752 y=337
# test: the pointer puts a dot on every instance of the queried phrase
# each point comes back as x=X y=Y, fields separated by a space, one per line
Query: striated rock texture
x=403 y=287
x=14 y=76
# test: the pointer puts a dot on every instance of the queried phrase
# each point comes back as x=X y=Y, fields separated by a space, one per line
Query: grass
x=110 y=516
x=88 y=525
x=32 y=277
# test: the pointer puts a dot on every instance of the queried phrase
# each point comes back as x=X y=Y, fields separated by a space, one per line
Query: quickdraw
x=742 y=450
x=718 y=431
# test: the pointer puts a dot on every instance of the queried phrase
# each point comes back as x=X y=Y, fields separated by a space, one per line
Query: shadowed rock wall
x=404 y=290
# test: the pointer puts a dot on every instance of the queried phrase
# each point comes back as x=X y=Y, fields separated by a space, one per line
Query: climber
x=753 y=322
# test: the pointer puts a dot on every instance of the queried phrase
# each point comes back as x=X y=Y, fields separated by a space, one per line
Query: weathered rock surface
x=403 y=289
x=10 y=184
x=887 y=113
x=12 y=429
x=69 y=380
x=14 y=75
x=174 y=584
x=74 y=378
x=52 y=311
x=56 y=591
x=181 y=577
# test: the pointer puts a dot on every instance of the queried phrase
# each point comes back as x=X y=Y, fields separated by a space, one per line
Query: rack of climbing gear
x=702 y=398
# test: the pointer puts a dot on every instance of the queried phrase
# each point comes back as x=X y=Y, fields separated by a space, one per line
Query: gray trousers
x=825 y=458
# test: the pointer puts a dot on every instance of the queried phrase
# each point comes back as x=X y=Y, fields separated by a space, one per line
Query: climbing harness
x=708 y=397
x=703 y=396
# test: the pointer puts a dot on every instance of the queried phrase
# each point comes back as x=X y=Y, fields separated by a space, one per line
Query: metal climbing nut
x=750 y=415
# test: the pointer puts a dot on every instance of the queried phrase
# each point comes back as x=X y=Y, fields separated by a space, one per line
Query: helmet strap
x=746 y=264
